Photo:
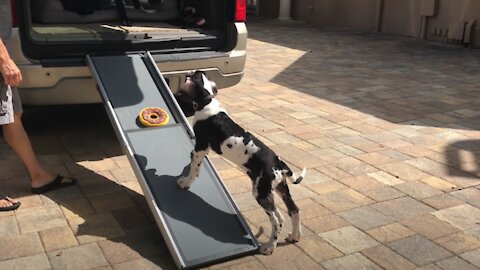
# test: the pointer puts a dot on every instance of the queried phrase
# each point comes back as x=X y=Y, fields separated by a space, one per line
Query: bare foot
x=7 y=202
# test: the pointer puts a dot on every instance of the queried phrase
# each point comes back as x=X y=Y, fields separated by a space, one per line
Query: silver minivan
x=50 y=42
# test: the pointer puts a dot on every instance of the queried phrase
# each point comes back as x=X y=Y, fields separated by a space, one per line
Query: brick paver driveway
x=387 y=126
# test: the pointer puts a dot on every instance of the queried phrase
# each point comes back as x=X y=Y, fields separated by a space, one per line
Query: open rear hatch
x=49 y=31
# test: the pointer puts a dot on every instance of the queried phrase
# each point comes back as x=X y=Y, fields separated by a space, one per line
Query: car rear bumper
x=82 y=90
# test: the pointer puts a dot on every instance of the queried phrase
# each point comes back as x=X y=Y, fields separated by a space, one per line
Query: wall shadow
x=398 y=79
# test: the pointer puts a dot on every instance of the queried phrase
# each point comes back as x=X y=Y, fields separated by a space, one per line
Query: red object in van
x=240 y=10
x=12 y=10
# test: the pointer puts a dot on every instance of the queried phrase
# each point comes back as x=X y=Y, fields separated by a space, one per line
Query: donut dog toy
x=153 y=117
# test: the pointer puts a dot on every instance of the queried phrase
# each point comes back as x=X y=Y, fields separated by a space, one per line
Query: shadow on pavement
x=398 y=79
x=100 y=208
x=107 y=205
x=464 y=156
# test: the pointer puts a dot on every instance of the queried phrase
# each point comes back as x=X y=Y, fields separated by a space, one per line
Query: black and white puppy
x=215 y=130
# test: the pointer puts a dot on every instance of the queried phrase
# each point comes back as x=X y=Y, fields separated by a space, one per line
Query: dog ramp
x=201 y=225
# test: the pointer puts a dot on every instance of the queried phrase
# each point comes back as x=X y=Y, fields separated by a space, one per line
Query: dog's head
x=195 y=93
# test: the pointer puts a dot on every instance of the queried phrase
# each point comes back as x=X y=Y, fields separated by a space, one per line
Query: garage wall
x=269 y=8
x=451 y=14
x=351 y=13
x=402 y=17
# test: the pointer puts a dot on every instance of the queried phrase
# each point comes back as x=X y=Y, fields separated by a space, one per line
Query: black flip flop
x=11 y=207
x=55 y=184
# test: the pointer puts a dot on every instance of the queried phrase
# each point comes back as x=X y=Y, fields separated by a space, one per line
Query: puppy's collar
x=203 y=102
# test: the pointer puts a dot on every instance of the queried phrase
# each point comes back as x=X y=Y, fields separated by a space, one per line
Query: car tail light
x=12 y=9
x=240 y=10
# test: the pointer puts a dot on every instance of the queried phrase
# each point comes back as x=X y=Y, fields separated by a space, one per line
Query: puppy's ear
x=185 y=104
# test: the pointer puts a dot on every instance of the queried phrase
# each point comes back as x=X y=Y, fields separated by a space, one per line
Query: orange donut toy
x=153 y=117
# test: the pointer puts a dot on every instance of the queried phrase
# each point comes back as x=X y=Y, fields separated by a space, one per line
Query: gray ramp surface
x=201 y=225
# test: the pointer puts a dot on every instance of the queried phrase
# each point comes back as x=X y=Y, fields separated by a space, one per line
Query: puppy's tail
x=291 y=176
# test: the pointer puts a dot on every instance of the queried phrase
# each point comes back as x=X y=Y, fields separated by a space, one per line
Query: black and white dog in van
x=215 y=130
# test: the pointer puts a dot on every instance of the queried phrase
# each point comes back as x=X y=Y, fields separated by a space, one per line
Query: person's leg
x=18 y=140
x=15 y=135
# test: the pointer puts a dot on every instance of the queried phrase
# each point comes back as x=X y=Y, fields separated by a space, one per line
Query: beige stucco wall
x=269 y=8
x=452 y=11
x=402 y=17
x=351 y=13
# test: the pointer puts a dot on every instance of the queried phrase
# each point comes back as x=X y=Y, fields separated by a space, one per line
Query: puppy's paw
x=183 y=183
x=267 y=249
x=294 y=237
